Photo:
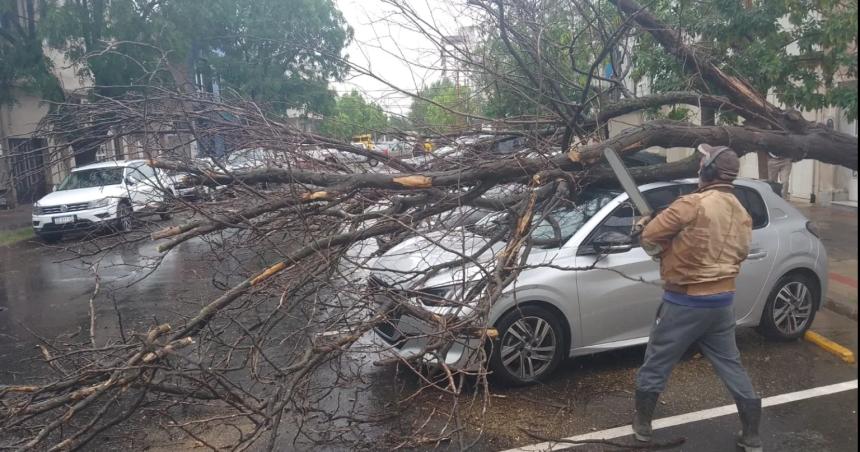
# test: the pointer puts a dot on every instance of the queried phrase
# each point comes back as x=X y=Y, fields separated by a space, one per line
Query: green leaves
x=798 y=50
x=282 y=52
x=445 y=101
x=353 y=116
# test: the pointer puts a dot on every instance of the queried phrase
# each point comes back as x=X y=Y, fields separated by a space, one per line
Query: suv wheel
x=124 y=220
x=790 y=308
x=530 y=346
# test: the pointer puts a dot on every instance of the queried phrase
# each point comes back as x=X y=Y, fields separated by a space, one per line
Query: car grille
x=382 y=293
x=76 y=207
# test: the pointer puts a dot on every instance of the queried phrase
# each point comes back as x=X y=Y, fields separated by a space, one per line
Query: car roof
x=743 y=181
x=109 y=164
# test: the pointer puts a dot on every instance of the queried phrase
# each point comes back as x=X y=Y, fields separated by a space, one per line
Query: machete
x=627 y=182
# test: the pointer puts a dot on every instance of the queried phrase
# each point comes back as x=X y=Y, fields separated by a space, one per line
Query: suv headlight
x=37 y=209
x=104 y=202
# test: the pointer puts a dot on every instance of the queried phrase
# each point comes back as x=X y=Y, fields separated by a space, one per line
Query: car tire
x=124 y=217
x=790 y=308
x=520 y=358
x=51 y=238
x=373 y=163
x=164 y=212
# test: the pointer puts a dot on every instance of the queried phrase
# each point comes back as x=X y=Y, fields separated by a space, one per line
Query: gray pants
x=779 y=170
x=676 y=329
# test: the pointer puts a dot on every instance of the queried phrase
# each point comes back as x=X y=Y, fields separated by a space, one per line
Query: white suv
x=98 y=195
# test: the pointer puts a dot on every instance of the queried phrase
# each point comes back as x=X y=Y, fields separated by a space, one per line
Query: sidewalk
x=17 y=218
x=838 y=228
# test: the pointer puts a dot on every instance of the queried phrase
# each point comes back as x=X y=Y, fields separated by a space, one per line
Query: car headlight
x=445 y=296
x=37 y=209
x=104 y=202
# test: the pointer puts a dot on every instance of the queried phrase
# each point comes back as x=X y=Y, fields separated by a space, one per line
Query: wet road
x=45 y=292
x=588 y=394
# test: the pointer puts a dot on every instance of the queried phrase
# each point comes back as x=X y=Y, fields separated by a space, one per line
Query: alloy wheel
x=528 y=347
x=792 y=308
x=125 y=217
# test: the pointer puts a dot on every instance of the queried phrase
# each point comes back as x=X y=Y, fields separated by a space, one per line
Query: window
x=96 y=177
x=147 y=171
x=621 y=220
x=558 y=226
x=755 y=206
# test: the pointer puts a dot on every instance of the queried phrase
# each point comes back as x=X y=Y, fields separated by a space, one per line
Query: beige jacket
x=701 y=240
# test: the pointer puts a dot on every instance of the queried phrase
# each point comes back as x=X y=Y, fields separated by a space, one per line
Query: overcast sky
x=383 y=42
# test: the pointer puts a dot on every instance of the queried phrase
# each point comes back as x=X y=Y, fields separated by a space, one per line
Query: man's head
x=719 y=164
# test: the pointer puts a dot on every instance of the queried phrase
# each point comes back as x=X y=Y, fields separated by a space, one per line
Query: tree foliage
x=23 y=65
x=798 y=50
x=280 y=51
x=442 y=105
x=352 y=116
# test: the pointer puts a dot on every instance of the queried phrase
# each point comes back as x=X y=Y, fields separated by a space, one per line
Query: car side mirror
x=129 y=181
x=612 y=242
x=54 y=187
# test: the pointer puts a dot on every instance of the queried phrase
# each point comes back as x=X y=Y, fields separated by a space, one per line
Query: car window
x=557 y=227
x=661 y=198
x=755 y=206
x=748 y=197
x=144 y=174
x=621 y=219
x=97 y=177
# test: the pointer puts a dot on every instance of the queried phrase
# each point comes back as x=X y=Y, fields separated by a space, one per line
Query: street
x=483 y=225
x=46 y=292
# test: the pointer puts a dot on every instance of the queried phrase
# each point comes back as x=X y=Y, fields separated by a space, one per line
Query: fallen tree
x=278 y=339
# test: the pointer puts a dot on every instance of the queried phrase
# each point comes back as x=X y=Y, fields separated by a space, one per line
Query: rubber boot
x=749 y=411
x=645 y=404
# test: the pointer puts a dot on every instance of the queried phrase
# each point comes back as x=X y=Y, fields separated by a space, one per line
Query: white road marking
x=687 y=418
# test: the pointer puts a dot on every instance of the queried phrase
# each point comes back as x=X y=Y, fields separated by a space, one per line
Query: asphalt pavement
x=45 y=292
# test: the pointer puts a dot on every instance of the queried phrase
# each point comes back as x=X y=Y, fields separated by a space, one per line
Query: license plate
x=64 y=220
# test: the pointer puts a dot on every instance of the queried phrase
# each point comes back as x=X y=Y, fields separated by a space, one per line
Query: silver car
x=588 y=286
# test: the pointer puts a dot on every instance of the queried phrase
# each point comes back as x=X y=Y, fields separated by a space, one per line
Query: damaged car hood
x=404 y=265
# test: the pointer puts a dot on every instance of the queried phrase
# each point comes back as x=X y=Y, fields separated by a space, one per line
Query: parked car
x=249 y=159
x=183 y=186
x=104 y=194
x=554 y=312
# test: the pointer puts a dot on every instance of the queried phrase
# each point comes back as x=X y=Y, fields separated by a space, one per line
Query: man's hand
x=640 y=224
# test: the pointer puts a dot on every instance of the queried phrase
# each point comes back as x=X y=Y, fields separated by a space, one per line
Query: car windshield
x=96 y=177
x=559 y=225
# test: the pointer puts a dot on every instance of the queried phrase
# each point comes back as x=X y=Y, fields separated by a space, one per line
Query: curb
x=831 y=347
x=842 y=309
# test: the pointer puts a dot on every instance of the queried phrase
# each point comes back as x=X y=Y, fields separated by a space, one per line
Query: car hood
x=81 y=195
x=401 y=265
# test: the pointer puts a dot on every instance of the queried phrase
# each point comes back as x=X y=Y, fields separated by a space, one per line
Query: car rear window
x=749 y=198
x=754 y=204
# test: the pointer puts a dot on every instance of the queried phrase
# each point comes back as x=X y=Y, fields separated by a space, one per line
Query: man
x=701 y=240
x=779 y=170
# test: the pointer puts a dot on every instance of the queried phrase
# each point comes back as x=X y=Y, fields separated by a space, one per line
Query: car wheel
x=790 y=308
x=373 y=162
x=164 y=212
x=124 y=220
x=51 y=238
x=529 y=348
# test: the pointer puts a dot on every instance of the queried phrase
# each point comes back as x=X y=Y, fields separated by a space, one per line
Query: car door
x=752 y=282
x=756 y=269
x=142 y=186
x=620 y=295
